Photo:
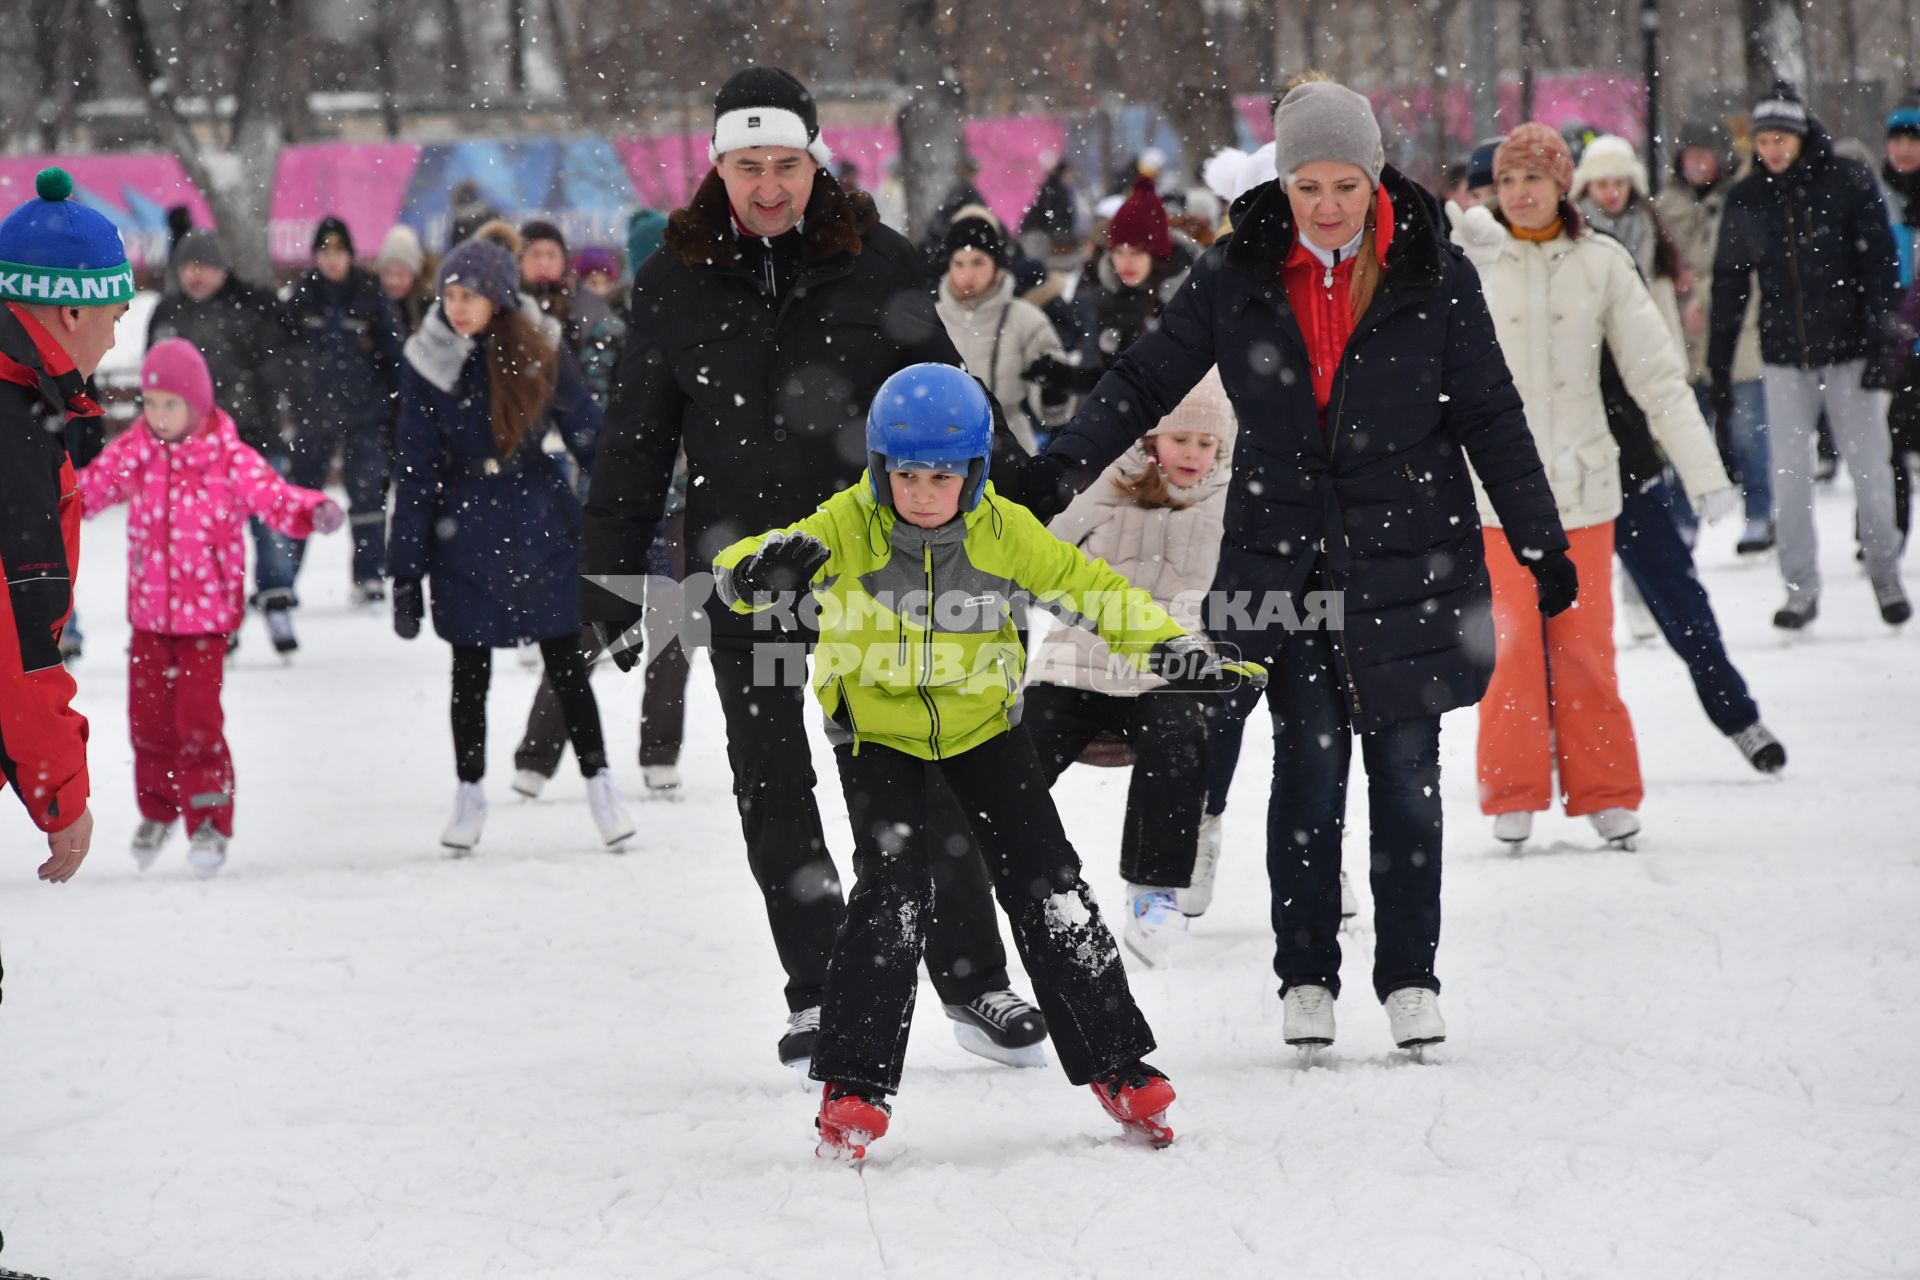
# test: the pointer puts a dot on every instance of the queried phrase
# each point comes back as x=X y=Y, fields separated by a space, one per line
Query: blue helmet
x=930 y=417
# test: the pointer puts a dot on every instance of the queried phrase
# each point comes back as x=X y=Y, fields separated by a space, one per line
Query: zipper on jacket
x=1793 y=269
x=169 y=543
x=926 y=661
x=1333 y=434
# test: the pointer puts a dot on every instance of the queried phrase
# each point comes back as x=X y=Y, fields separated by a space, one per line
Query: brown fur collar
x=702 y=233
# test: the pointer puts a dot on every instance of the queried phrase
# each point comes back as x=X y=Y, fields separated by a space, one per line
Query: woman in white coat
x=1558 y=293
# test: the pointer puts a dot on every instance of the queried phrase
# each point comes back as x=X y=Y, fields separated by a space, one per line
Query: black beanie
x=332 y=228
x=766 y=107
x=541 y=229
x=1783 y=110
x=976 y=233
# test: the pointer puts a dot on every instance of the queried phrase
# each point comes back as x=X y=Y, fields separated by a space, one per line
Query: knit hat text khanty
x=56 y=251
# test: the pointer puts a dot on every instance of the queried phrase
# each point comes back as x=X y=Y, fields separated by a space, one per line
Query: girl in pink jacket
x=191 y=484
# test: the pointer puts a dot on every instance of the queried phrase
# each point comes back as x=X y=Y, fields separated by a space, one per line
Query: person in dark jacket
x=486 y=515
x=758 y=340
x=1812 y=224
x=1362 y=365
x=254 y=352
x=353 y=367
x=64 y=283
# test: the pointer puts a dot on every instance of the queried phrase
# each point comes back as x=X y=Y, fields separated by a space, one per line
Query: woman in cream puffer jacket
x=1558 y=293
x=1163 y=536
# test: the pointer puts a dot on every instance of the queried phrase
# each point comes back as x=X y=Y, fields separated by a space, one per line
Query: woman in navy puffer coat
x=487 y=515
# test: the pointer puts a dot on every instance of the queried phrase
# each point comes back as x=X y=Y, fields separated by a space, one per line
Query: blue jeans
x=273 y=553
x=365 y=466
x=1661 y=566
x=1306 y=817
x=1747 y=442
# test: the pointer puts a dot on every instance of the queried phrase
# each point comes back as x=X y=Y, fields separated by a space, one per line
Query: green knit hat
x=54 y=250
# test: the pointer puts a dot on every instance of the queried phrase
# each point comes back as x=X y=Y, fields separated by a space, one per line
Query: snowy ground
x=350 y=1057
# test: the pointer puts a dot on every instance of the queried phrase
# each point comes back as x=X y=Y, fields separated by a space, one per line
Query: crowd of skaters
x=1180 y=379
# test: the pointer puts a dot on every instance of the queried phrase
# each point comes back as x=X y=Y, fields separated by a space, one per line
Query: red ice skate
x=848 y=1121
x=1138 y=1097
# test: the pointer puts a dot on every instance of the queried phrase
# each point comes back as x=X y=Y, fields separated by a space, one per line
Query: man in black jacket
x=757 y=337
x=253 y=351
x=1814 y=227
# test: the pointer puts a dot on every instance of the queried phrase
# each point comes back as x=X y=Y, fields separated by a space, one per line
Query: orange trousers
x=1554 y=698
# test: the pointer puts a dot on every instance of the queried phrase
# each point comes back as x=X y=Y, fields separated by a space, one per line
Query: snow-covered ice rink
x=350 y=1057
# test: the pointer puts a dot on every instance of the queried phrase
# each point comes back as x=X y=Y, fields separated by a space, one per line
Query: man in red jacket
x=64 y=283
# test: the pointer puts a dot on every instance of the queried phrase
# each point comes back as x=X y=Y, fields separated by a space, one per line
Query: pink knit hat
x=175 y=366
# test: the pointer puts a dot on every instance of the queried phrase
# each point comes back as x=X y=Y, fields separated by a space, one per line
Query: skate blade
x=800 y=1069
x=618 y=844
x=457 y=850
x=1417 y=1049
x=1625 y=844
x=1307 y=1052
x=1153 y=1130
x=976 y=1041
x=843 y=1146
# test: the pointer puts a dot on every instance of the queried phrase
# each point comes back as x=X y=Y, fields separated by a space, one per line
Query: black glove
x=1188 y=666
x=1558 y=580
x=785 y=562
x=408 y=607
x=1056 y=376
x=1720 y=401
x=1041 y=485
x=612 y=639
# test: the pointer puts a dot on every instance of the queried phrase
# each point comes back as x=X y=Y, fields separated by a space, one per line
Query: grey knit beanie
x=1320 y=120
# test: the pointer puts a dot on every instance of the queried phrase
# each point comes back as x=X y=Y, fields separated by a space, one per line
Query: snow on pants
x=773 y=784
x=366 y=461
x=1554 y=698
x=1078 y=979
x=1658 y=562
x=1168 y=735
x=1859 y=420
x=181 y=768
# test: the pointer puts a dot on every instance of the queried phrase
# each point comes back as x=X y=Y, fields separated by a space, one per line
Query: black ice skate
x=999 y=1025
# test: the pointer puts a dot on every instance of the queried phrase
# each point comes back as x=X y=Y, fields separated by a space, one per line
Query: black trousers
x=1168 y=734
x=773 y=782
x=566 y=669
x=1078 y=979
x=663 y=705
x=1903 y=423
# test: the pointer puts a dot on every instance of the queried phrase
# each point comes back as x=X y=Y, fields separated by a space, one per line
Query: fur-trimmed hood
x=702 y=234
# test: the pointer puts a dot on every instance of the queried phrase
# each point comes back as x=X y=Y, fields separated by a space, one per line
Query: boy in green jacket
x=914 y=570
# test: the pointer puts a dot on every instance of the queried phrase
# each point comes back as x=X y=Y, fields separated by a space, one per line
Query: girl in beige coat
x=1156 y=516
x=1558 y=293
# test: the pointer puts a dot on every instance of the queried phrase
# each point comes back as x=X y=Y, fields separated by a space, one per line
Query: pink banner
x=1610 y=104
x=1014 y=154
x=135 y=189
x=365 y=183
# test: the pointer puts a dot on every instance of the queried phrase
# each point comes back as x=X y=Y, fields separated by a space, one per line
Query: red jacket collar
x=31 y=358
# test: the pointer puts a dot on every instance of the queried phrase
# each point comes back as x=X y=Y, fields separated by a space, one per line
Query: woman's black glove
x=1558 y=580
x=408 y=607
x=1041 y=485
x=613 y=640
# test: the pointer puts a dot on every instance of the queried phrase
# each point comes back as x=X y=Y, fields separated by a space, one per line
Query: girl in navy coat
x=486 y=514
